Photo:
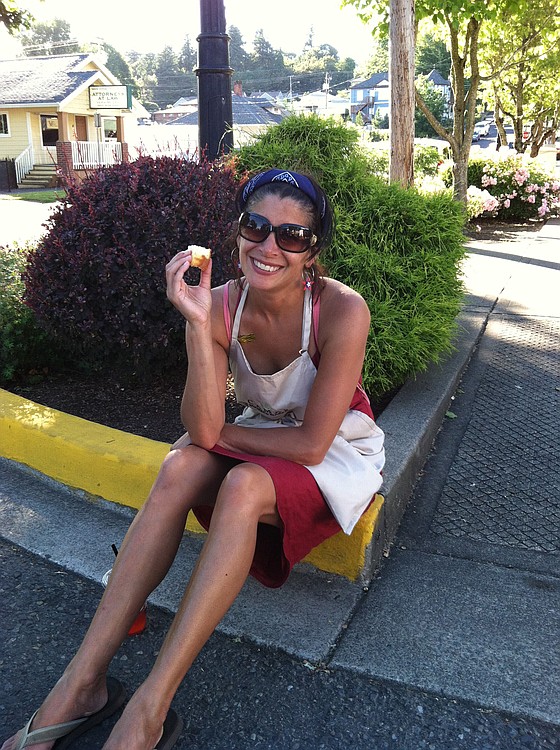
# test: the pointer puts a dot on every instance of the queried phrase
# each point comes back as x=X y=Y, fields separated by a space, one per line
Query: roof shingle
x=45 y=80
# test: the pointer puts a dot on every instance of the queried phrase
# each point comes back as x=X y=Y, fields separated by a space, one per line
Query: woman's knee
x=248 y=489
x=178 y=462
x=184 y=474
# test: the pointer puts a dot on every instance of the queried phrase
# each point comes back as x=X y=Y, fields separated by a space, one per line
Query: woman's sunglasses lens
x=254 y=228
x=292 y=239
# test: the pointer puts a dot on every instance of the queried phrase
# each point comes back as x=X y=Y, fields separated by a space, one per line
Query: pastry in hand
x=200 y=256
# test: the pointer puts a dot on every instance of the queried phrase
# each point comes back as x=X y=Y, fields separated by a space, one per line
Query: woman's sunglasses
x=293 y=238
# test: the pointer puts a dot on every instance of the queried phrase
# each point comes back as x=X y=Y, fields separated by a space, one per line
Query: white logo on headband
x=286 y=177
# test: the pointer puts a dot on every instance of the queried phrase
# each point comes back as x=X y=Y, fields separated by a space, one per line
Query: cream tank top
x=350 y=473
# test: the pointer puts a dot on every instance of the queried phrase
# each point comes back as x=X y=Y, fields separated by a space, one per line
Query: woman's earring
x=307 y=278
x=235 y=262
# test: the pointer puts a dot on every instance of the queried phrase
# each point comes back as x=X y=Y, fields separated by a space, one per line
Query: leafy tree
x=321 y=59
x=172 y=83
x=49 y=38
x=187 y=56
x=431 y=54
x=14 y=18
x=462 y=23
x=521 y=56
x=436 y=103
x=118 y=65
x=264 y=56
x=238 y=56
x=144 y=72
x=378 y=61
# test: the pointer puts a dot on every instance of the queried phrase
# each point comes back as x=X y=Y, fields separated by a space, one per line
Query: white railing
x=24 y=163
x=93 y=154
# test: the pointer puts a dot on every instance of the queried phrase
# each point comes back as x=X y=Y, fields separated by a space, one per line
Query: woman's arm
x=202 y=406
x=344 y=328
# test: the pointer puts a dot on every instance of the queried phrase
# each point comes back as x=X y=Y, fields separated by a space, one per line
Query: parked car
x=476 y=135
x=483 y=129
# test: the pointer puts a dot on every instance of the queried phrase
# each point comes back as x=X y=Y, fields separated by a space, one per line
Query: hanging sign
x=110 y=97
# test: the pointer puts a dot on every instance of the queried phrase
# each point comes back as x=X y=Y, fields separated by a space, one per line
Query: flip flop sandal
x=172 y=728
x=69 y=731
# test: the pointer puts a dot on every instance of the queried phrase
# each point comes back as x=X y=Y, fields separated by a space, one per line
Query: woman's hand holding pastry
x=193 y=302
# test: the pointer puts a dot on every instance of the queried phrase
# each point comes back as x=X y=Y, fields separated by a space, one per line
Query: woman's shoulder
x=344 y=314
x=337 y=298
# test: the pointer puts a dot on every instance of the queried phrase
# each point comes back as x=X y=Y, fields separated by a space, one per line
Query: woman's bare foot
x=67 y=700
x=140 y=725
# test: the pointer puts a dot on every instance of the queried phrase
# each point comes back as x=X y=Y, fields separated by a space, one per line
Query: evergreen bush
x=97 y=279
x=401 y=250
x=25 y=349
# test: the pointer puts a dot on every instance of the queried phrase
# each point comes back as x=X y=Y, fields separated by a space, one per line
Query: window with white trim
x=4 y=124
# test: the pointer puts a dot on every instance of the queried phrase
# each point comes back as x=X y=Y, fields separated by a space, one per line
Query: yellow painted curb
x=121 y=467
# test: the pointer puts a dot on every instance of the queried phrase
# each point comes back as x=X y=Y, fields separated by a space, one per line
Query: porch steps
x=41 y=176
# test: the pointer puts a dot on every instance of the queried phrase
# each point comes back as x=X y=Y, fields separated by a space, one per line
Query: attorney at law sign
x=110 y=97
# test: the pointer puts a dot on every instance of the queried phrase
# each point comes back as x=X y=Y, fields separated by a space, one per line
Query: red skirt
x=306 y=518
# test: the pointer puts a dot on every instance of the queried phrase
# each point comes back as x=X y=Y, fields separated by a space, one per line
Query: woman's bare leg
x=187 y=477
x=246 y=497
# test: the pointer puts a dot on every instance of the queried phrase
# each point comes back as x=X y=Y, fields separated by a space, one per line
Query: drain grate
x=504 y=484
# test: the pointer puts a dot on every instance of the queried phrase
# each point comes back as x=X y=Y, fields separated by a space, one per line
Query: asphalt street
x=237 y=695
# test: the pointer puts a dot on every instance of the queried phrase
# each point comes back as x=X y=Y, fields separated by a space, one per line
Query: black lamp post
x=215 y=117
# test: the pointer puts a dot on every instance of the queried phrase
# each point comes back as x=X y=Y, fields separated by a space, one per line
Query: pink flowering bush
x=520 y=189
x=480 y=202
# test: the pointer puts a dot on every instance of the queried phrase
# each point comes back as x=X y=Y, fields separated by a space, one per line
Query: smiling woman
x=286 y=475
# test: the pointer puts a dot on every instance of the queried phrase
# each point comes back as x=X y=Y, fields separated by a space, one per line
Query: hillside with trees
x=161 y=78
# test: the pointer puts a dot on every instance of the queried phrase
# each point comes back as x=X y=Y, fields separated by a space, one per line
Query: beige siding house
x=63 y=114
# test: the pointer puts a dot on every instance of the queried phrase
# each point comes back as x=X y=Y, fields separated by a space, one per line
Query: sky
x=286 y=24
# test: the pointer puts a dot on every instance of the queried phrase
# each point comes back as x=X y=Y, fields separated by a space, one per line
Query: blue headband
x=299 y=181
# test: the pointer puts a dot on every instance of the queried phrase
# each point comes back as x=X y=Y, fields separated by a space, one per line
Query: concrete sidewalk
x=467 y=605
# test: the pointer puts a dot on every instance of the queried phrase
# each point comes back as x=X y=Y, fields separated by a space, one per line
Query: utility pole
x=215 y=118
x=326 y=87
x=402 y=98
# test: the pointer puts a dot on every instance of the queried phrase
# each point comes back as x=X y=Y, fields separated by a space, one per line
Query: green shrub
x=24 y=347
x=97 y=280
x=378 y=162
x=475 y=170
x=446 y=173
x=375 y=135
x=426 y=161
x=399 y=249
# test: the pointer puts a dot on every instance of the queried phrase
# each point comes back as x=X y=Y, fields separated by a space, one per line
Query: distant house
x=62 y=114
x=371 y=97
x=442 y=85
x=250 y=119
x=320 y=103
x=182 y=106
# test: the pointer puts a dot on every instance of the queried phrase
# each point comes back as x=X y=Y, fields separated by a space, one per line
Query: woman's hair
x=303 y=190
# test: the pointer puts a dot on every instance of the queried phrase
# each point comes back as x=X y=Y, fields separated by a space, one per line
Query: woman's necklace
x=245 y=338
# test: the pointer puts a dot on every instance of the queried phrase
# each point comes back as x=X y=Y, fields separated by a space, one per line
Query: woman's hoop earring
x=235 y=263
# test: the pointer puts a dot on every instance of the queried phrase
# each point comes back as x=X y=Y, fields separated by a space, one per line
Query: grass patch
x=36 y=196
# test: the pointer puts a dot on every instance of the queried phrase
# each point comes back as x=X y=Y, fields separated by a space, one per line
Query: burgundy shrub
x=97 y=279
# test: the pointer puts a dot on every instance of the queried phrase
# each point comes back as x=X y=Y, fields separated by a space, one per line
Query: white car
x=482 y=128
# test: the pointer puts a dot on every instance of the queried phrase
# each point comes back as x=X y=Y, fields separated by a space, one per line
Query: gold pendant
x=246 y=338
